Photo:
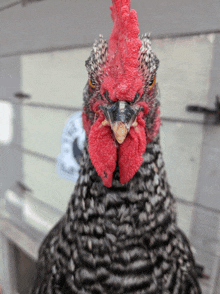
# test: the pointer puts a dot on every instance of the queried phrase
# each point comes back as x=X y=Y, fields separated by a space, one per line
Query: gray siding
x=57 y=35
x=52 y=24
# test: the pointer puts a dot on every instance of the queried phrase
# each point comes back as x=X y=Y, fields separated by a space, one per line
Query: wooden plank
x=42 y=129
x=38 y=216
x=206 y=224
x=184 y=74
x=5 y=281
x=55 y=78
x=51 y=24
x=181 y=145
x=18 y=237
x=6 y=4
x=6 y=122
x=209 y=178
x=9 y=76
x=11 y=168
x=47 y=186
x=208 y=181
x=184 y=217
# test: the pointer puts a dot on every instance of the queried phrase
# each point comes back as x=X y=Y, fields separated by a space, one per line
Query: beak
x=120 y=131
x=120 y=116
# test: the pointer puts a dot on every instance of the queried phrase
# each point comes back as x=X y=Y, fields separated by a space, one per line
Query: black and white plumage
x=122 y=239
x=118 y=238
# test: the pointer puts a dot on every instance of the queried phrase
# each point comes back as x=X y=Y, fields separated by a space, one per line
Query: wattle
x=103 y=151
x=130 y=152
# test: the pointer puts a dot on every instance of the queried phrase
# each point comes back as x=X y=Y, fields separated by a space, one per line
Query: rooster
x=119 y=233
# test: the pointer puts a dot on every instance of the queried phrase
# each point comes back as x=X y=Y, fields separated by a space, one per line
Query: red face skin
x=105 y=151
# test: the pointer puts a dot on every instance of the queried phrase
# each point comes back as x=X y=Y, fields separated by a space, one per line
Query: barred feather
x=122 y=239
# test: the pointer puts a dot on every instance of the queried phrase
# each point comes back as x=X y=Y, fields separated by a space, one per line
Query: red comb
x=122 y=78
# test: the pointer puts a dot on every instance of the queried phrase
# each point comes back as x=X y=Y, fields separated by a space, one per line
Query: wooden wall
x=42 y=52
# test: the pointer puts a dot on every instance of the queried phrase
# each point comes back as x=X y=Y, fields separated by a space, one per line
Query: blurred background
x=43 y=47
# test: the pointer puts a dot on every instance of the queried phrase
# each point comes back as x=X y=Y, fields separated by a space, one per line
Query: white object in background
x=39 y=216
x=6 y=122
x=72 y=143
x=14 y=202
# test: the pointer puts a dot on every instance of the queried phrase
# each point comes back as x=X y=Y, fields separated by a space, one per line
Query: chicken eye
x=136 y=97
x=152 y=82
x=92 y=83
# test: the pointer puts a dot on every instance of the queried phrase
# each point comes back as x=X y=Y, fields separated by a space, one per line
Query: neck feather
x=144 y=198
